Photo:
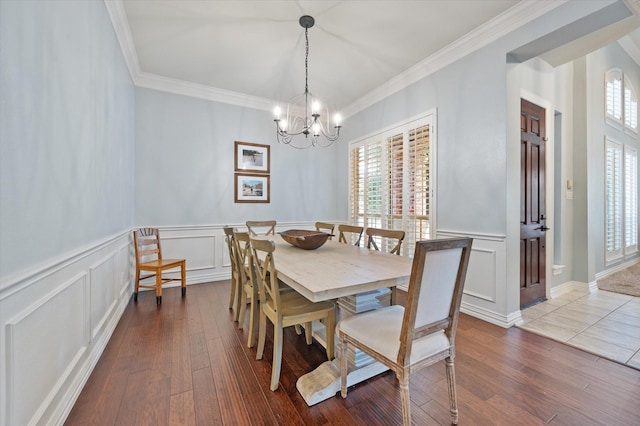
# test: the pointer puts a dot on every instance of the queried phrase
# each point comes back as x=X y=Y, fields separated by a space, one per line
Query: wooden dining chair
x=406 y=339
x=249 y=289
x=387 y=238
x=350 y=232
x=235 y=293
x=149 y=258
x=247 y=284
x=285 y=309
x=261 y=227
x=326 y=227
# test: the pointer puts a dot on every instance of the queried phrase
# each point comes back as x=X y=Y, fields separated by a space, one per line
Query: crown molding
x=201 y=91
x=118 y=16
x=630 y=47
x=503 y=24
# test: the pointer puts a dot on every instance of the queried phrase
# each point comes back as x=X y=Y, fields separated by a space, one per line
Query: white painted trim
x=74 y=389
x=115 y=9
x=566 y=287
x=475 y=235
x=619 y=267
x=505 y=321
x=14 y=283
x=520 y=14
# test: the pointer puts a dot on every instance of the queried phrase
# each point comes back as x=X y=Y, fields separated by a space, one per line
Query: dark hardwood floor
x=186 y=362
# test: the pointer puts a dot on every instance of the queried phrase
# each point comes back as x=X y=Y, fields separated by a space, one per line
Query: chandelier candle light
x=297 y=121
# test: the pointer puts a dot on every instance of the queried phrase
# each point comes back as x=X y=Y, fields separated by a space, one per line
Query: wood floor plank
x=186 y=362
x=206 y=407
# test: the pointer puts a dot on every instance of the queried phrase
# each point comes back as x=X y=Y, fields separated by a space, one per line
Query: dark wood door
x=532 y=204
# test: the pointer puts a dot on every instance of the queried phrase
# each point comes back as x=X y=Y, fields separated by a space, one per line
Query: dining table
x=359 y=279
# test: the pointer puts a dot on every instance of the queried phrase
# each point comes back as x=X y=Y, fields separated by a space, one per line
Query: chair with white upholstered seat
x=284 y=309
x=422 y=333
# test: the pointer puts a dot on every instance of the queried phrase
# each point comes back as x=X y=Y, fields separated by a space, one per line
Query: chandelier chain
x=306 y=61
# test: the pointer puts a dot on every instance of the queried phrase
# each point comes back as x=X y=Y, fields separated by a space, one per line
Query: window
x=621 y=203
x=630 y=106
x=621 y=100
x=613 y=96
x=630 y=200
x=391 y=180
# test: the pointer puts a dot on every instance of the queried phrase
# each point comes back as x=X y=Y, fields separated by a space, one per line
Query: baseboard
x=505 y=321
x=568 y=286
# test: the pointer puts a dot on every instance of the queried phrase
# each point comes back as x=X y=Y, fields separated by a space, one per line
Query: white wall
x=66 y=171
x=184 y=169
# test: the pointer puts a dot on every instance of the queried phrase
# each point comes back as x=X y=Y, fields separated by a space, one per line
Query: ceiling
x=252 y=51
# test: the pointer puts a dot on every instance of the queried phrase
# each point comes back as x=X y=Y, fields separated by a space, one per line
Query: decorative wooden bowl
x=305 y=239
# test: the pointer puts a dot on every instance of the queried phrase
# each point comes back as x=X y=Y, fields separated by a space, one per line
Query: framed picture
x=252 y=157
x=251 y=188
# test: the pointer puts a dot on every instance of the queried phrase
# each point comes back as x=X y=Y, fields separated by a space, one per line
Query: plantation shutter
x=614 y=94
x=630 y=200
x=373 y=185
x=630 y=106
x=419 y=228
x=613 y=200
x=390 y=181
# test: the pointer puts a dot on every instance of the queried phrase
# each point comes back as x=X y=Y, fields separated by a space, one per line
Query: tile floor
x=604 y=323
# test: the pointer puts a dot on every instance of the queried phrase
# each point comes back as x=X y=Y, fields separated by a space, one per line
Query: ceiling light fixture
x=297 y=121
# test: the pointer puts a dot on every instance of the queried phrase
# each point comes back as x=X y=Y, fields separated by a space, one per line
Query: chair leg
x=159 y=287
x=262 y=335
x=405 y=399
x=239 y=300
x=253 y=317
x=451 y=382
x=232 y=293
x=298 y=329
x=277 y=356
x=183 y=275
x=135 y=291
x=343 y=366
x=243 y=306
x=308 y=332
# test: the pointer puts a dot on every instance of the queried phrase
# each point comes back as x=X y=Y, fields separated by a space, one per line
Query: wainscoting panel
x=104 y=279
x=484 y=293
x=45 y=342
x=55 y=321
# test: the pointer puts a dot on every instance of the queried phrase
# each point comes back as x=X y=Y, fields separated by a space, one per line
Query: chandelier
x=305 y=115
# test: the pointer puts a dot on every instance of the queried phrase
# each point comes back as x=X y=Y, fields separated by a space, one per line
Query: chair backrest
x=261 y=227
x=351 y=232
x=147 y=244
x=325 y=227
x=265 y=272
x=242 y=251
x=387 y=237
x=435 y=291
x=228 y=232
